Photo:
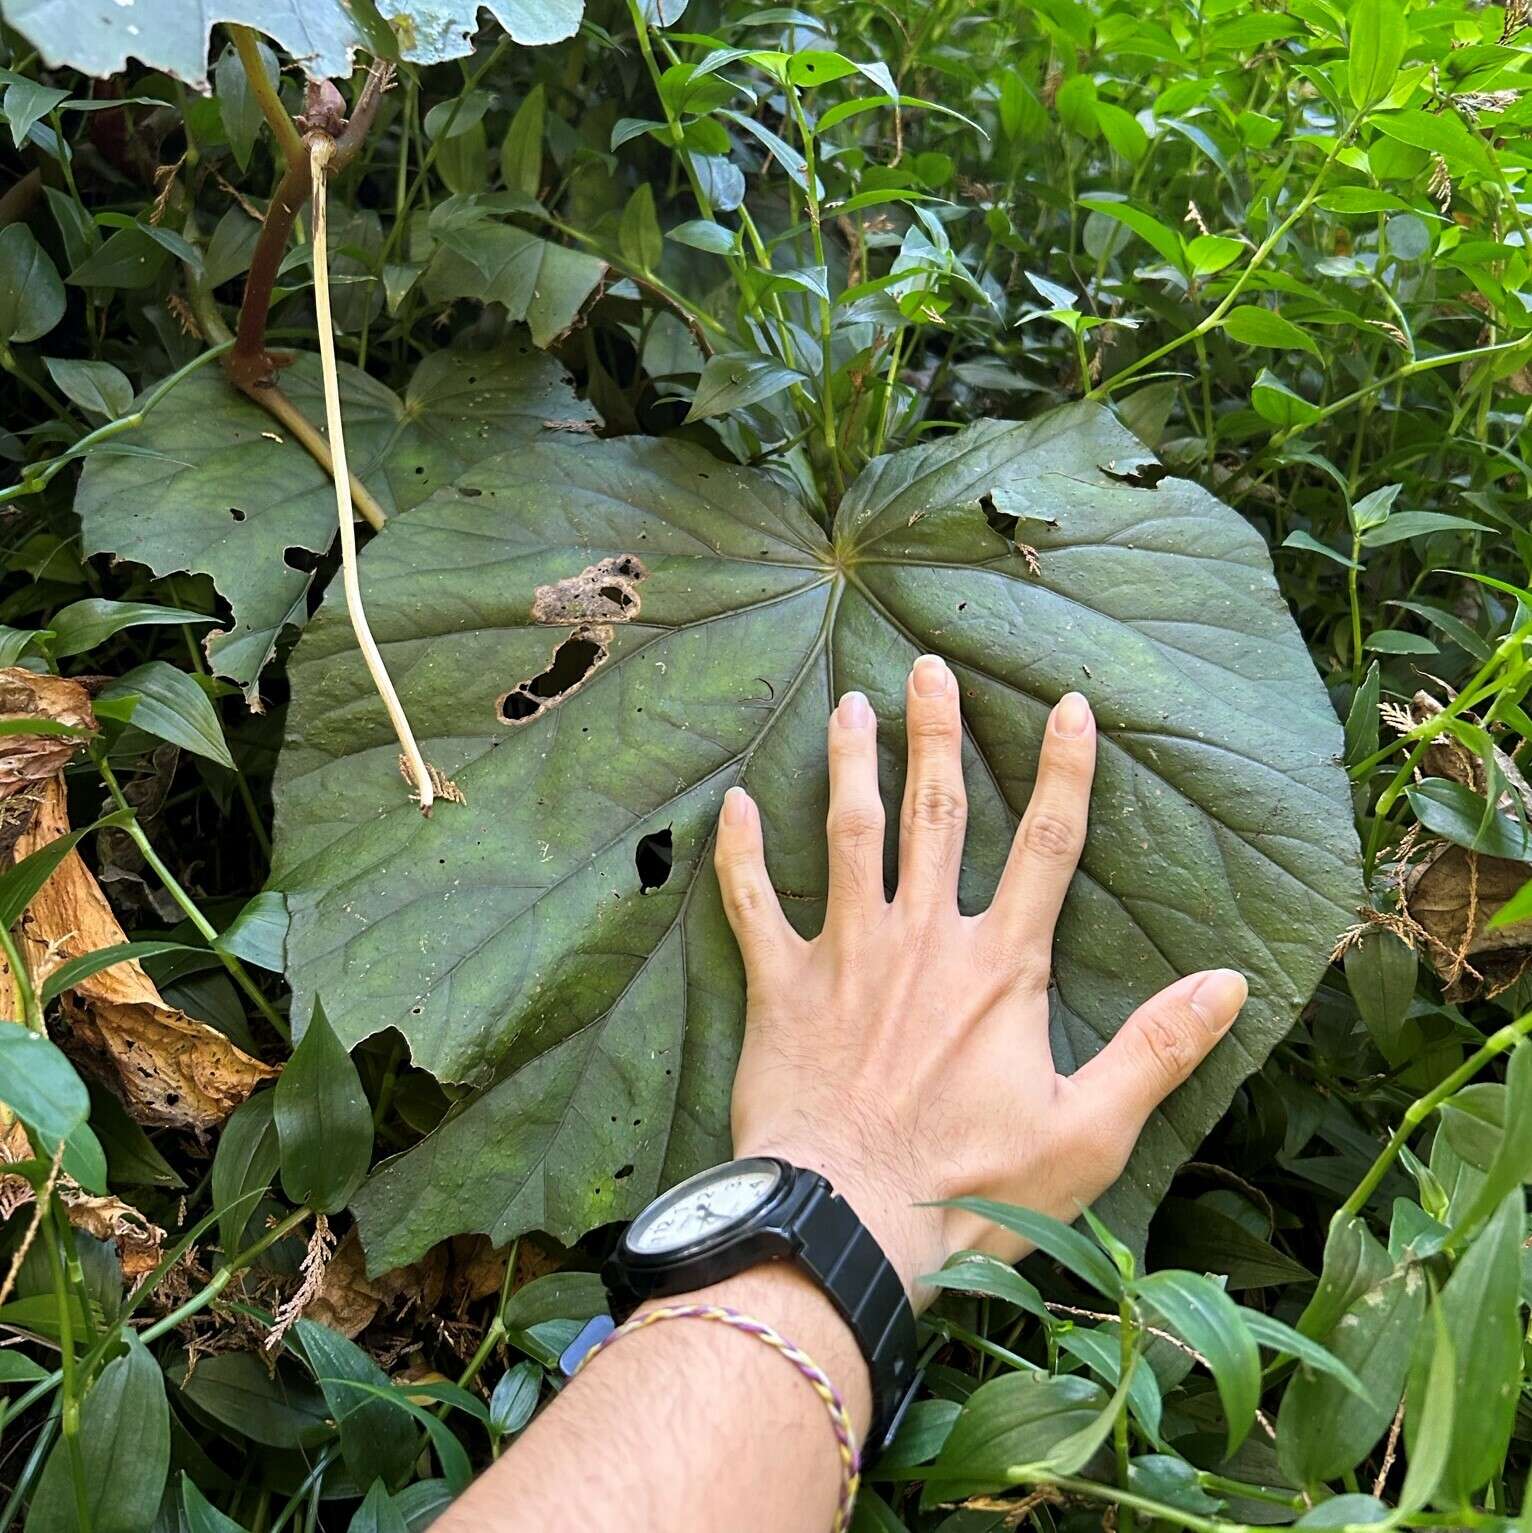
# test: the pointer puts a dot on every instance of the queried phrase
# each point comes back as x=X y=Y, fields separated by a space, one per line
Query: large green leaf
x=215 y=486
x=99 y=36
x=508 y=938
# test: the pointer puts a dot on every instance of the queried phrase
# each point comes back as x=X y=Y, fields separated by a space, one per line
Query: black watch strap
x=839 y=1252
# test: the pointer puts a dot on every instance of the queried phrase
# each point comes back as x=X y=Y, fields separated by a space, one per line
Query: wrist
x=910 y=1236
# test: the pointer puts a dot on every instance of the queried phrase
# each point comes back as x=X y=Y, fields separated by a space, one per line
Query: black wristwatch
x=744 y=1212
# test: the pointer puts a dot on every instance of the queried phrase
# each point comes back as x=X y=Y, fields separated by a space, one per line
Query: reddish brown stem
x=251 y=367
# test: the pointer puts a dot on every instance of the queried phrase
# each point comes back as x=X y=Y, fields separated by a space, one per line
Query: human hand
x=904 y=1051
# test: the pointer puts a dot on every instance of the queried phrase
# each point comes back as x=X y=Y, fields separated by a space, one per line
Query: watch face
x=703 y=1207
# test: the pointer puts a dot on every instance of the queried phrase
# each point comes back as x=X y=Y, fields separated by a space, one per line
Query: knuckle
x=1050 y=835
x=1170 y=1041
x=937 y=805
x=853 y=826
x=933 y=726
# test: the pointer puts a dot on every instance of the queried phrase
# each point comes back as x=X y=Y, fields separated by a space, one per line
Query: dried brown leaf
x=168 y=1068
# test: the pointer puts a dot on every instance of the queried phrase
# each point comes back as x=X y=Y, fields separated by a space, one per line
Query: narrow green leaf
x=515 y=1398
x=40 y=1086
x=1148 y=228
x=76 y=970
x=377 y=1442
x=31 y=295
x=1454 y=810
x=1378 y=31
x=1252 y=325
x=521 y=150
x=454 y=1462
x=171 y=706
x=201 y=1515
x=1211 y=1323
x=1068 y=1247
x=258 y=934
x=323 y=1122
x=732 y=380
x=244 y=1164
x=973 y=1272
x=1433 y=1419
x=82 y=625
x=1273 y=1333
x=124 y=1443
x=378 y=1513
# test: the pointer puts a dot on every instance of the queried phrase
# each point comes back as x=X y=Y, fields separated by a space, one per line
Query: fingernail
x=1072 y=716
x=931 y=676
x=853 y=712
x=1218 y=997
x=736 y=806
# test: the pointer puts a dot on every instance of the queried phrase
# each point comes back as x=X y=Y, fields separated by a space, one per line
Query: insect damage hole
x=653 y=857
x=572 y=663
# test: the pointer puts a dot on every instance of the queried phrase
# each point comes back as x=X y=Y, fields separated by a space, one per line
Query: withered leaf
x=168 y=1068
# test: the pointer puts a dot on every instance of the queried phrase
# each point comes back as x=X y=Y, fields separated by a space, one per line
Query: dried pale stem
x=321 y=155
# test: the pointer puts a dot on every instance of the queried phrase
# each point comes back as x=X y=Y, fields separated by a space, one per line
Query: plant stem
x=39 y=475
x=237 y=970
x=223 y=1277
x=1352 y=576
x=31 y=1011
x=1422 y=1108
x=248 y=48
x=69 y=1412
x=1213 y=320
x=1121 y=1444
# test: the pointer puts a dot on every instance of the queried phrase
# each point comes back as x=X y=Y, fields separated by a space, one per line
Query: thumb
x=1161 y=1044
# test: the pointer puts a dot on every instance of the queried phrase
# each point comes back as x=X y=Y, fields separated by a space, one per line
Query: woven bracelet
x=840 y=1420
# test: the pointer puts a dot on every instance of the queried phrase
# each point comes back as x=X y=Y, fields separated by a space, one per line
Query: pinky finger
x=749 y=901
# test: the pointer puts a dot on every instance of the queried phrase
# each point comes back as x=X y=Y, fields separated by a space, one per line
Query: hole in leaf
x=572 y=662
x=236 y=513
x=653 y=857
x=1144 y=476
x=304 y=559
x=1000 y=521
x=623 y=1171
x=471 y=490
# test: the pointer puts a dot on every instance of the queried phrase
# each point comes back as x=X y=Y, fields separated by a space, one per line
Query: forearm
x=687 y=1424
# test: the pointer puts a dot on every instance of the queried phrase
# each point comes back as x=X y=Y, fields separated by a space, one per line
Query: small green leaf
x=237 y=105
x=1172 y=1481
x=638 y=233
x=279 y=1410
x=703 y=234
x=1454 y=810
x=1373 y=510
x=1148 y=228
x=455 y=1465
x=1210 y=1322
x=82 y=625
x=973 y=1272
x=732 y=380
x=1516 y=909
x=201 y=1515
x=1273 y=401
x=171 y=706
x=1415 y=524
x=76 y=970
x=1349 y=1511
x=40 y=1086
x=377 y=1442
x=1017 y=1419
x=1362 y=718
x=1512 y=1163
x=97 y=387
x=1380 y=973
x=1252 y=325
x=27 y=102
x=1431 y=1413
x=15 y=1368
x=245 y=1161
x=258 y=934
x=515 y=1398
x=1398 y=641
x=378 y=1513
x=1075 y=102
x=124 y=1445
x=130 y=258
x=1209 y=253
x=1440 y=133
x=1378 y=29
x=31 y=295
x=1323 y=1429
x=521 y=150
x=1310 y=544
x=323 y=1122
x=1068 y=1247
